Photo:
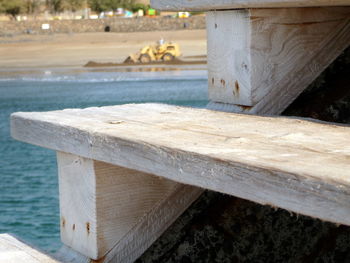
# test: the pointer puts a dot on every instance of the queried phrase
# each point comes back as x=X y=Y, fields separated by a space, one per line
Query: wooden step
x=297 y=164
x=262 y=54
x=13 y=250
x=261 y=60
x=201 y=5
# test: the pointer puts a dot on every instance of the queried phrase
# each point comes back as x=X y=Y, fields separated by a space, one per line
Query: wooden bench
x=299 y=165
x=127 y=172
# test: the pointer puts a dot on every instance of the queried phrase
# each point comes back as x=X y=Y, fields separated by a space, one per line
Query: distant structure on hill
x=27 y=10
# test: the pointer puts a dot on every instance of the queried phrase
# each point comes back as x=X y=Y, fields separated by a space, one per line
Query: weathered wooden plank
x=207 y=5
x=112 y=212
x=264 y=58
x=154 y=223
x=229 y=57
x=66 y=254
x=295 y=164
x=13 y=250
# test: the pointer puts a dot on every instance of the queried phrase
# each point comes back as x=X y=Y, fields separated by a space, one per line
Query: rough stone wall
x=222 y=228
x=100 y=25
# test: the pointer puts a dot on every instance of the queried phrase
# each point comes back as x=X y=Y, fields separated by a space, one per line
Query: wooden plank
x=295 y=164
x=207 y=5
x=13 y=250
x=66 y=254
x=264 y=58
x=229 y=57
x=154 y=223
x=109 y=208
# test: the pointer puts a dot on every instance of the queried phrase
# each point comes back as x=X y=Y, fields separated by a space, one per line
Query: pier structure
x=127 y=172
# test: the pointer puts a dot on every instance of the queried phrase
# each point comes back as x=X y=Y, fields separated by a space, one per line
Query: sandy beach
x=75 y=50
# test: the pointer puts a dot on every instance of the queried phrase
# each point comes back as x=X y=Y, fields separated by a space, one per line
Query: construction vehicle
x=162 y=51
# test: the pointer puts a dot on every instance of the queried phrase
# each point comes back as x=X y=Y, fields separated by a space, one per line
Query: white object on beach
x=45 y=26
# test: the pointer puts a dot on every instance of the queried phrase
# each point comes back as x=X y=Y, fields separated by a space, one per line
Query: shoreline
x=182 y=61
x=64 y=73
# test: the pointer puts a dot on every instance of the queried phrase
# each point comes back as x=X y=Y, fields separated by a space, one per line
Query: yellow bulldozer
x=162 y=51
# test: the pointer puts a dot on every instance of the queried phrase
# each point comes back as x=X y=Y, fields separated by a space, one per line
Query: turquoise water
x=28 y=174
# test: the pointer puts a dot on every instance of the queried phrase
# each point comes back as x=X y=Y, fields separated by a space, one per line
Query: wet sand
x=76 y=50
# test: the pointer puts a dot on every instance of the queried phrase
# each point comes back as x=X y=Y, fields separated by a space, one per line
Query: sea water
x=28 y=174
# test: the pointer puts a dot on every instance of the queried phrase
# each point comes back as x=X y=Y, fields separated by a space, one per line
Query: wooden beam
x=112 y=212
x=262 y=59
x=207 y=5
x=13 y=250
x=296 y=164
x=66 y=254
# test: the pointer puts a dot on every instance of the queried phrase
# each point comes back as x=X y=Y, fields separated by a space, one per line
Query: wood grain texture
x=153 y=224
x=295 y=164
x=102 y=205
x=229 y=59
x=66 y=254
x=13 y=250
x=264 y=58
x=207 y=5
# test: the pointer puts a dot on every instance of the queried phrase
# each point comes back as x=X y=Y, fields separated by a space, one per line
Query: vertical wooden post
x=114 y=212
x=229 y=61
